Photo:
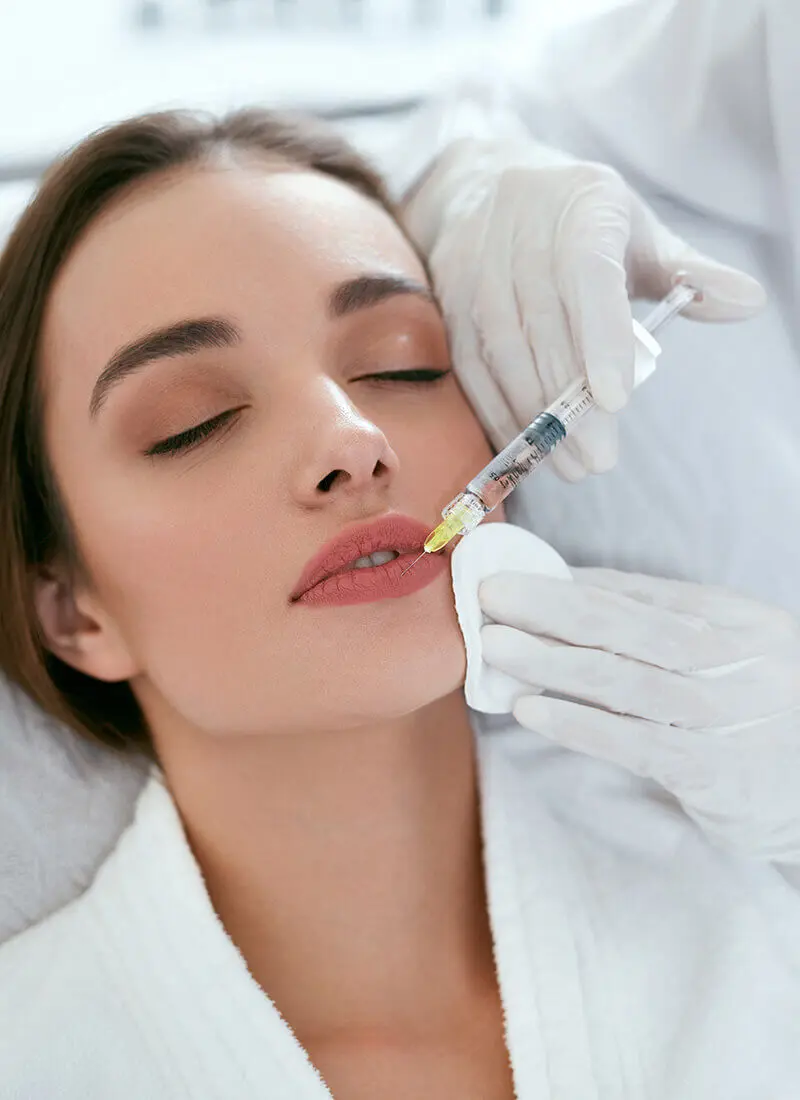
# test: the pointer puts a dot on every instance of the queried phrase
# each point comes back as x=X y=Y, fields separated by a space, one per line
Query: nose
x=347 y=455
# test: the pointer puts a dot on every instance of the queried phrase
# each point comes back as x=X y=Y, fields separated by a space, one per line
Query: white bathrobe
x=634 y=960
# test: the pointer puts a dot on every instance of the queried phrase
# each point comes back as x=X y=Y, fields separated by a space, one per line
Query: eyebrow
x=182 y=338
x=197 y=334
x=367 y=290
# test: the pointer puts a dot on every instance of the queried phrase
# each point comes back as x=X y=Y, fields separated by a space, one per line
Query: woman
x=225 y=384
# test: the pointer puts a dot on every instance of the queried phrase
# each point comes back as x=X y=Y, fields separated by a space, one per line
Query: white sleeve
x=679 y=93
x=676 y=94
x=471 y=108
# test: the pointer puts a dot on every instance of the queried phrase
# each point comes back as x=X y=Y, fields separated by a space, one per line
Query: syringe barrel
x=522 y=455
x=532 y=446
x=573 y=403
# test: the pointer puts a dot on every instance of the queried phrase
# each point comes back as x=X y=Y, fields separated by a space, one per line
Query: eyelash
x=193 y=437
x=418 y=376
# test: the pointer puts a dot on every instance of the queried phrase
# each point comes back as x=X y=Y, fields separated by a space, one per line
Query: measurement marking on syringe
x=529 y=449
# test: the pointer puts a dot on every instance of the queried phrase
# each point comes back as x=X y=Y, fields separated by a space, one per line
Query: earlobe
x=75 y=633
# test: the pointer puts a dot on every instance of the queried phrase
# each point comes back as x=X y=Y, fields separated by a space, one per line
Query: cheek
x=196 y=582
x=168 y=550
x=443 y=445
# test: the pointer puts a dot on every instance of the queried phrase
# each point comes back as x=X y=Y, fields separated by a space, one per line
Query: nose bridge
x=342 y=450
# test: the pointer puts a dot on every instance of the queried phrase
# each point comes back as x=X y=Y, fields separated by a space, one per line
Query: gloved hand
x=534 y=257
x=699 y=689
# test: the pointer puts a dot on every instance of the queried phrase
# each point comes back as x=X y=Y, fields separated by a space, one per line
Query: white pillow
x=64 y=802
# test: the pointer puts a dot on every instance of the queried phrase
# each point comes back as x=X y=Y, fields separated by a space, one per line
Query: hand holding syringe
x=531 y=447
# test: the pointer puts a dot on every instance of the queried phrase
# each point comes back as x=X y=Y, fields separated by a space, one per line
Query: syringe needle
x=414 y=562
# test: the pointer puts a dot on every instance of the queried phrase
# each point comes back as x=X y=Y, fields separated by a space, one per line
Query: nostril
x=326 y=484
x=379 y=470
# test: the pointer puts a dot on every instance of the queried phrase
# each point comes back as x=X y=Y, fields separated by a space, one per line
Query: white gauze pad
x=494 y=548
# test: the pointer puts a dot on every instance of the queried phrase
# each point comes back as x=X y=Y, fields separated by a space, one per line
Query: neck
x=346 y=866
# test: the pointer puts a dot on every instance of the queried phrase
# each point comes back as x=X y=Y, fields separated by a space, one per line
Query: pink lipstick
x=340 y=573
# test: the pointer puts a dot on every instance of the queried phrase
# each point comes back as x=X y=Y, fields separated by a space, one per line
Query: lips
x=327 y=579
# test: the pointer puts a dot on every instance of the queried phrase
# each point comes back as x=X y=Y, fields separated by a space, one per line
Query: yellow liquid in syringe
x=441 y=535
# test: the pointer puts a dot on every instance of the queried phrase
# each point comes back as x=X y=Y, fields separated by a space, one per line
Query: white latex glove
x=534 y=257
x=686 y=684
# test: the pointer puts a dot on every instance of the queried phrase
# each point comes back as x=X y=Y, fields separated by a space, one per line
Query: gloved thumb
x=658 y=257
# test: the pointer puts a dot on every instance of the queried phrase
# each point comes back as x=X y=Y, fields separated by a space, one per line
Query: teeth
x=380 y=557
x=369 y=561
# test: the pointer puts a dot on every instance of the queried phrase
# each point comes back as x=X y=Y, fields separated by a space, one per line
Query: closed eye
x=184 y=441
x=192 y=437
x=417 y=376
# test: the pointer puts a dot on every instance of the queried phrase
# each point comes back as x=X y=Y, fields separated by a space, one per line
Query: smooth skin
x=321 y=759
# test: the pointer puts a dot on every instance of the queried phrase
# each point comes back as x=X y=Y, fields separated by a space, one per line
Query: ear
x=78 y=631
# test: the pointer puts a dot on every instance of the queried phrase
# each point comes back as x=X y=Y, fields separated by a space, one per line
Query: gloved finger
x=596 y=441
x=603 y=329
x=601 y=679
x=573 y=460
x=522 y=323
x=596 y=678
x=659 y=256
x=518 y=309
x=717 y=606
x=549 y=332
x=543 y=316
x=751 y=692
x=587 y=449
x=566 y=465
x=455 y=264
x=592 y=282
x=479 y=386
x=592 y=447
x=644 y=748
x=511 y=357
x=526 y=325
x=596 y=618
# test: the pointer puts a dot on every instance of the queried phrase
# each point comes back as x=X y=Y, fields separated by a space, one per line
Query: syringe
x=530 y=448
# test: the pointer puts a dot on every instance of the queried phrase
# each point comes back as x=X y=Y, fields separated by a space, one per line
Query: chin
x=412 y=675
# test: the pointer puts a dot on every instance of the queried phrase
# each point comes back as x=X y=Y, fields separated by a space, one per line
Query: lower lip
x=377 y=582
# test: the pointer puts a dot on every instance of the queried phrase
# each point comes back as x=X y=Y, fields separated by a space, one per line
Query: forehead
x=247 y=241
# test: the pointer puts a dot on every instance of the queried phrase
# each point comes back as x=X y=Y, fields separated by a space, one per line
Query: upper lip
x=388 y=532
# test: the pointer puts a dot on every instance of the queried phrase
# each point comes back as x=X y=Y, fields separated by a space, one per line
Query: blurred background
x=69 y=66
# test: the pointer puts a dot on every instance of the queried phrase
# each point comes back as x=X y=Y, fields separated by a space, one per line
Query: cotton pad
x=494 y=548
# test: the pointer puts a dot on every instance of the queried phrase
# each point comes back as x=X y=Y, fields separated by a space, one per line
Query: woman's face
x=294 y=307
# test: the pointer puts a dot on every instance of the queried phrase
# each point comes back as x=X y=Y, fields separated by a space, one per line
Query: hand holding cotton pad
x=494 y=548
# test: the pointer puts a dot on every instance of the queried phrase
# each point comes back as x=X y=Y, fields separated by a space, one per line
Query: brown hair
x=33 y=521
